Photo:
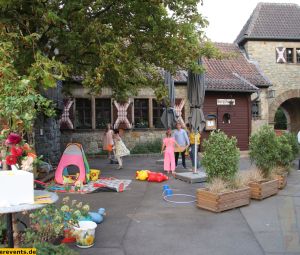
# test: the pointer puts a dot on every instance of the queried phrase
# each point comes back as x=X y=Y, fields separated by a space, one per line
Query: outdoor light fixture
x=271 y=93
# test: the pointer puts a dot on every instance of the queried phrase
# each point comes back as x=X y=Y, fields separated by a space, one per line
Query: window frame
x=258 y=115
x=287 y=56
x=297 y=56
x=107 y=107
x=145 y=109
x=157 y=110
x=82 y=108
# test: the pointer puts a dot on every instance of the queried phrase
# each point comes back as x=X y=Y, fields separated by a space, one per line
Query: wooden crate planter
x=263 y=189
x=218 y=202
x=282 y=180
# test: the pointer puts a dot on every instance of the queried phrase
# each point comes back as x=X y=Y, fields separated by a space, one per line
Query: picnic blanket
x=102 y=184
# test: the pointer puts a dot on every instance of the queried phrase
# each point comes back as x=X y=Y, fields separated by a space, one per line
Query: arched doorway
x=286 y=106
x=282 y=119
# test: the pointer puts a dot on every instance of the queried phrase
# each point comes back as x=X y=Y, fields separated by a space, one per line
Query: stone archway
x=289 y=101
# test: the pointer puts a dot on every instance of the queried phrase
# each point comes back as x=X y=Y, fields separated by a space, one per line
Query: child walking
x=108 y=142
x=120 y=148
x=169 y=144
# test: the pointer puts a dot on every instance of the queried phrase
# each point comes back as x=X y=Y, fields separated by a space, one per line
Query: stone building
x=271 y=39
x=230 y=83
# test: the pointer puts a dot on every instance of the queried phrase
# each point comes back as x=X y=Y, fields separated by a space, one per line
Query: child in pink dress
x=169 y=144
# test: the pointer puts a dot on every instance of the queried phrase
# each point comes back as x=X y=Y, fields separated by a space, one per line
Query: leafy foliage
x=221 y=156
x=148 y=147
x=293 y=142
x=285 y=151
x=117 y=44
x=20 y=99
x=264 y=149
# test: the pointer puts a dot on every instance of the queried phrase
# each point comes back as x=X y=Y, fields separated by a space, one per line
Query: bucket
x=168 y=192
x=94 y=174
x=85 y=234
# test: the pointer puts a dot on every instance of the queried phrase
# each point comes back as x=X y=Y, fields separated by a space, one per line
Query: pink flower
x=12 y=139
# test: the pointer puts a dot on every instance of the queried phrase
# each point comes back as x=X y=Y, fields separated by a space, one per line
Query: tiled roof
x=234 y=73
x=272 y=21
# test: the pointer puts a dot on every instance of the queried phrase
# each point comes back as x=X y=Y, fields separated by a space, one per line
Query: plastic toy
x=157 y=177
x=94 y=174
x=142 y=175
x=168 y=193
x=97 y=217
x=73 y=155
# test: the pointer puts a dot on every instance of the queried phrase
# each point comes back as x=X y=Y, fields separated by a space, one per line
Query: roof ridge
x=254 y=18
x=268 y=3
x=244 y=80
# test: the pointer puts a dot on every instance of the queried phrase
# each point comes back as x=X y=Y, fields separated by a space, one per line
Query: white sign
x=225 y=101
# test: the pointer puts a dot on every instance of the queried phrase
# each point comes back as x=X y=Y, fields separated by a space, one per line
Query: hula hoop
x=179 y=202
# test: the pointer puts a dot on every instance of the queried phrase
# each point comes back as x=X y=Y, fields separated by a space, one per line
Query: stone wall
x=47 y=138
x=285 y=77
x=92 y=140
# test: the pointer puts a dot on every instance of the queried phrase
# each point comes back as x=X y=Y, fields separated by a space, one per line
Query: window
x=157 y=112
x=289 y=55
x=103 y=112
x=141 y=113
x=226 y=118
x=298 y=55
x=83 y=118
x=255 y=109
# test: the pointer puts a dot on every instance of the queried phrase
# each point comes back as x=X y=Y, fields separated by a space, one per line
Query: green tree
x=111 y=43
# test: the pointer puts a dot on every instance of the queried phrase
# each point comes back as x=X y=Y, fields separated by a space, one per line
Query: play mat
x=102 y=184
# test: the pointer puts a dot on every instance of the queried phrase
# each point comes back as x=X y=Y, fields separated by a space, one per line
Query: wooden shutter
x=179 y=107
x=67 y=117
x=280 y=55
x=122 y=124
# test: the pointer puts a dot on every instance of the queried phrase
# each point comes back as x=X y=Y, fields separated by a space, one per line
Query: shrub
x=285 y=152
x=221 y=156
x=292 y=140
x=264 y=149
x=147 y=147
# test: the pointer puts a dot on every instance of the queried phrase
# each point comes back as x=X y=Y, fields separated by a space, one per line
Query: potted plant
x=264 y=152
x=287 y=151
x=72 y=212
x=225 y=189
x=46 y=225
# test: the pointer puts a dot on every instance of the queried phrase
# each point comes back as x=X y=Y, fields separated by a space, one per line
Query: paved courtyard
x=140 y=222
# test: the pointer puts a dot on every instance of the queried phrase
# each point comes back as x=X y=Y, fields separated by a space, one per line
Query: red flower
x=11 y=160
x=13 y=138
x=16 y=151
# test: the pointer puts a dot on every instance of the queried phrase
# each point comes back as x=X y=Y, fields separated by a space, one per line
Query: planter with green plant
x=264 y=151
x=288 y=150
x=225 y=189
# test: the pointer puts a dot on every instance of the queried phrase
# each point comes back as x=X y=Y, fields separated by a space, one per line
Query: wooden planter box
x=282 y=180
x=263 y=189
x=222 y=201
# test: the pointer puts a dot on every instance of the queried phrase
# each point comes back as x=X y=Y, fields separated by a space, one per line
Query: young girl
x=108 y=142
x=169 y=144
x=120 y=148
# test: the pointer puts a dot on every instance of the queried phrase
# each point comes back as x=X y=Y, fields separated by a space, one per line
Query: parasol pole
x=195 y=152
